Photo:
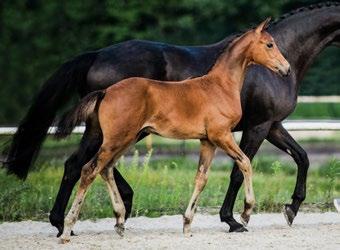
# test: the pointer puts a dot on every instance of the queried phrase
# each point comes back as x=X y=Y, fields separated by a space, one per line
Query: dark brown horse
x=205 y=108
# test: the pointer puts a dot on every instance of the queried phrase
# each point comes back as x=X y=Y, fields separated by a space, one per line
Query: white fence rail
x=319 y=99
x=291 y=125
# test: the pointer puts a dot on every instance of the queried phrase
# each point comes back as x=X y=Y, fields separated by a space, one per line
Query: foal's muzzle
x=284 y=71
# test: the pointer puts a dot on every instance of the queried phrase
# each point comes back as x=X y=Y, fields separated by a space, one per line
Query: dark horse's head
x=303 y=33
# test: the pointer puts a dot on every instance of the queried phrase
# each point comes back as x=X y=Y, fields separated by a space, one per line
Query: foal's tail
x=79 y=113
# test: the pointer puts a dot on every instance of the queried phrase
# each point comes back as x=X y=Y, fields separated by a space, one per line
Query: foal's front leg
x=228 y=144
x=207 y=152
x=116 y=199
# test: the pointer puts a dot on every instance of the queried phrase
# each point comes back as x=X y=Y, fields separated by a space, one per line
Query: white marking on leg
x=246 y=169
x=72 y=215
x=201 y=180
x=116 y=200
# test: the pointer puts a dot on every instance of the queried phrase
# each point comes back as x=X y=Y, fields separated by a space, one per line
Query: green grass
x=164 y=187
x=316 y=111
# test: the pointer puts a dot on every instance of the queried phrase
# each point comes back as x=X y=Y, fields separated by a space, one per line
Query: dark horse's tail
x=53 y=95
x=87 y=106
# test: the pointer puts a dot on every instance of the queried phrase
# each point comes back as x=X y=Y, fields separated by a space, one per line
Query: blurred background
x=37 y=36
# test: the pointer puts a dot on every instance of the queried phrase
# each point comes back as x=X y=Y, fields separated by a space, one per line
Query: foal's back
x=160 y=107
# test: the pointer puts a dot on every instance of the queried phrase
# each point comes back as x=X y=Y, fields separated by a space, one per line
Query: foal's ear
x=262 y=26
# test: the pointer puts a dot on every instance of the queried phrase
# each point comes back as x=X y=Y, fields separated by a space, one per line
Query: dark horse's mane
x=278 y=20
x=304 y=9
x=281 y=18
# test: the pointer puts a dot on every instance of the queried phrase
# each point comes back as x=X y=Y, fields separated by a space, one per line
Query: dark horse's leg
x=280 y=137
x=251 y=140
x=89 y=145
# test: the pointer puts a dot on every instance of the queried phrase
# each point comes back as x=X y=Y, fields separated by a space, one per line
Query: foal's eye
x=270 y=45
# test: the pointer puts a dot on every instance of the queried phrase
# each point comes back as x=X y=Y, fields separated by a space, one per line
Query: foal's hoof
x=245 y=219
x=64 y=240
x=187 y=235
x=60 y=228
x=289 y=214
x=187 y=231
x=120 y=229
x=238 y=229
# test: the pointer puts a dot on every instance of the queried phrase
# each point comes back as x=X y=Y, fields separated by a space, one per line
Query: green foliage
x=316 y=111
x=323 y=77
x=276 y=167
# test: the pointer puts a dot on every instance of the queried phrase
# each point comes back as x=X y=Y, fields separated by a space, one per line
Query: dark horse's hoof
x=61 y=232
x=58 y=222
x=289 y=214
x=238 y=229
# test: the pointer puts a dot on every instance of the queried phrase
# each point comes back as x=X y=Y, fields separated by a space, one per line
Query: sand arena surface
x=266 y=231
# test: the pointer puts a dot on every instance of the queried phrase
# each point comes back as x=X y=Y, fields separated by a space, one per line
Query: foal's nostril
x=288 y=71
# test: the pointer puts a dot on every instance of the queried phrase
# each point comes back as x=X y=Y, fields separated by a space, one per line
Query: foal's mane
x=228 y=40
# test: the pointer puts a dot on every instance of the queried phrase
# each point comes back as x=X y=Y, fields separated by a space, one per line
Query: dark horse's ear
x=262 y=26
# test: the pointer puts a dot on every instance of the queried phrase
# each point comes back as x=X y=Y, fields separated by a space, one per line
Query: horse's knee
x=127 y=195
x=120 y=210
x=67 y=221
x=250 y=203
x=201 y=177
x=303 y=160
x=245 y=165
x=236 y=176
x=71 y=169
x=88 y=174
x=68 y=166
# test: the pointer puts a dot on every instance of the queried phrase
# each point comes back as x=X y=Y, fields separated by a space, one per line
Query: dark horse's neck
x=301 y=35
x=304 y=33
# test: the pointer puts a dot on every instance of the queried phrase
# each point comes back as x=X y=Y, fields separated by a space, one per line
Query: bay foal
x=205 y=108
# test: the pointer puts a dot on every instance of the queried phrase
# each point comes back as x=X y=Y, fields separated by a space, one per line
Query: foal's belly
x=184 y=130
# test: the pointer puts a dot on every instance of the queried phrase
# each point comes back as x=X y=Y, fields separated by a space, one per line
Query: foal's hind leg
x=89 y=146
x=88 y=174
x=206 y=156
x=228 y=144
x=116 y=199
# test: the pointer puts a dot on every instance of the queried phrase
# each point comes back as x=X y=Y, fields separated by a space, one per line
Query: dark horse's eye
x=270 y=45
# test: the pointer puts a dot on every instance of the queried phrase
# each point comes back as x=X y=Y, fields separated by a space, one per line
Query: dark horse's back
x=153 y=60
x=97 y=70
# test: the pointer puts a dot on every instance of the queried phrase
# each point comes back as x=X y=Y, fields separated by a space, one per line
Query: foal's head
x=264 y=51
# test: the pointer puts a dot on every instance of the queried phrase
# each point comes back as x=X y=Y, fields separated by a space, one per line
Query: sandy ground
x=266 y=231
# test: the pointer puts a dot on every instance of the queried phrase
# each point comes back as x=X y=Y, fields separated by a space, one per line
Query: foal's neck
x=232 y=63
